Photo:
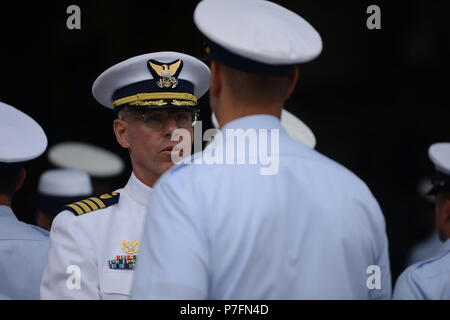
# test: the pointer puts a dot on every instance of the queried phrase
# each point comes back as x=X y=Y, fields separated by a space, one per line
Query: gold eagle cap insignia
x=131 y=247
x=167 y=73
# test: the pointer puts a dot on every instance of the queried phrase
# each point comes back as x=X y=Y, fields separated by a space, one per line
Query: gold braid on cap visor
x=158 y=99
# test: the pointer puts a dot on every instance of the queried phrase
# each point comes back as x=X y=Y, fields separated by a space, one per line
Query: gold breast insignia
x=131 y=247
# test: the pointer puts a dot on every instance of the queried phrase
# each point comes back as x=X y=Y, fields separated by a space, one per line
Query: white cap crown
x=21 y=138
x=64 y=183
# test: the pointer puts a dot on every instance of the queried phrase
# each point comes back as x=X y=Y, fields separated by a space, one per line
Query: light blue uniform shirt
x=426 y=280
x=23 y=257
x=227 y=232
x=425 y=249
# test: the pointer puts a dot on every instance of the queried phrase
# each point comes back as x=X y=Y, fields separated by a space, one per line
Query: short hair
x=9 y=177
x=124 y=112
x=251 y=86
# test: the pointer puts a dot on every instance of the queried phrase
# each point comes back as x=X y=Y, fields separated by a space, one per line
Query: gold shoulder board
x=94 y=203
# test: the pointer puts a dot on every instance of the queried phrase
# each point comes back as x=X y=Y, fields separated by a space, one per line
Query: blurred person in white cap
x=151 y=95
x=429 y=246
x=311 y=230
x=23 y=247
x=430 y=279
x=56 y=188
x=102 y=165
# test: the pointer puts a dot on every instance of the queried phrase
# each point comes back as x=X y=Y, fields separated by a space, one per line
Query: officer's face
x=149 y=144
x=442 y=211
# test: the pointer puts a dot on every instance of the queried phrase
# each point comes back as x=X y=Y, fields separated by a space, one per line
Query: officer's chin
x=167 y=164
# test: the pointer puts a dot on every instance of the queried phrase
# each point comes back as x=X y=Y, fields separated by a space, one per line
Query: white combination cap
x=439 y=154
x=297 y=129
x=256 y=35
x=154 y=80
x=21 y=138
x=65 y=183
x=58 y=187
x=91 y=159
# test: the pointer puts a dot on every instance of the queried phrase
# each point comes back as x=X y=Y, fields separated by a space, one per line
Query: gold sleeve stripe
x=76 y=208
x=91 y=204
x=98 y=202
x=155 y=96
x=83 y=206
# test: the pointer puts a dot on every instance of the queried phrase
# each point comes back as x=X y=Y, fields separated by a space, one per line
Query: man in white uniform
x=309 y=230
x=56 y=188
x=95 y=242
x=23 y=247
x=430 y=246
x=430 y=279
x=100 y=164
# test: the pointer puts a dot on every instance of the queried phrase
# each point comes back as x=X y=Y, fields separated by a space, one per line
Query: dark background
x=375 y=99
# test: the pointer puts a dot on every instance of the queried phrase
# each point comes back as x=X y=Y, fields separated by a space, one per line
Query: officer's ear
x=216 y=84
x=120 y=128
x=293 y=79
x=442 y=208
x=446 y=206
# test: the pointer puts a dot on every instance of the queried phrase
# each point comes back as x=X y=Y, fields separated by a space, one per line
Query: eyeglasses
x=156 y=119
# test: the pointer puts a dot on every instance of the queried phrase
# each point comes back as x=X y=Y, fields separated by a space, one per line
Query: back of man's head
x=442 y=212
x=252 y=87
x=10 y=179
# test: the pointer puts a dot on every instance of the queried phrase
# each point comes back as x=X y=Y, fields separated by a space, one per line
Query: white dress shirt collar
x=137 y=190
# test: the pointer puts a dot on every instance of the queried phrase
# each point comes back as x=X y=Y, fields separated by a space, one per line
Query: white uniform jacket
x=93 y=251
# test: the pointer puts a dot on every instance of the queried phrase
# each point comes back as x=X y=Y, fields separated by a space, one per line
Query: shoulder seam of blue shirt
x=423 y=266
